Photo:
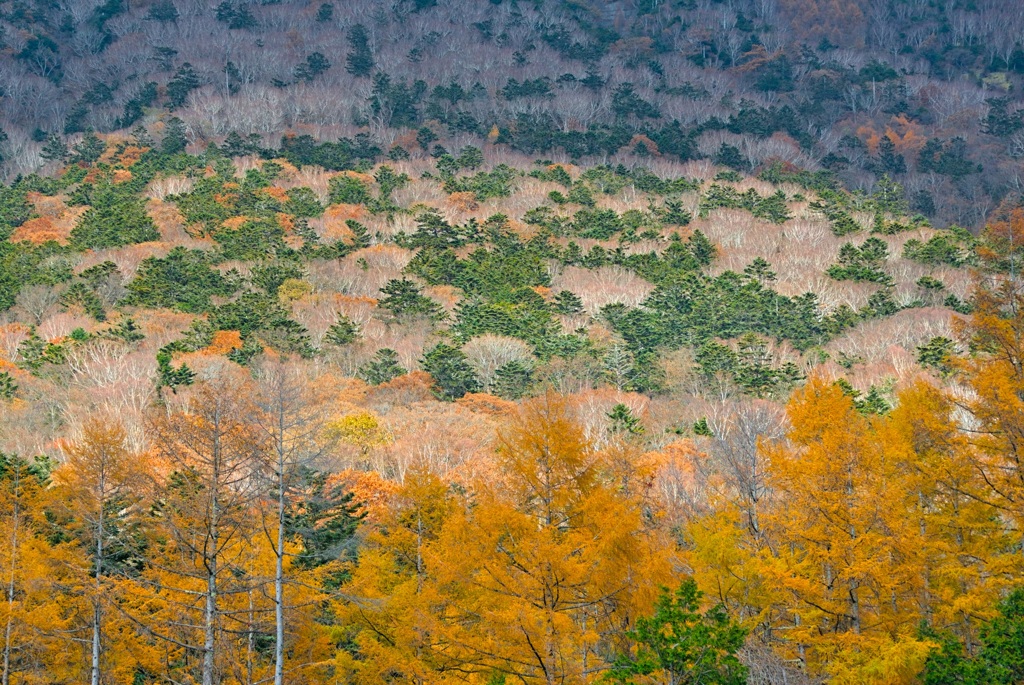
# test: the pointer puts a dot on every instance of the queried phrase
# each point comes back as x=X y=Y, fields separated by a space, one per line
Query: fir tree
x=343 y=332
x=383 y=368
x=359 y=61
x=453 y=376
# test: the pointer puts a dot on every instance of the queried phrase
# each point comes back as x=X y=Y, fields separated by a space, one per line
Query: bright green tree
x=682 y=646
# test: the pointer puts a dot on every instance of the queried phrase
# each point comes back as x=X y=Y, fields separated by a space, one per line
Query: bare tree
x=291 y=421
x=214 y=454
x=488 y=353
x=38 y=301
x=737 y=457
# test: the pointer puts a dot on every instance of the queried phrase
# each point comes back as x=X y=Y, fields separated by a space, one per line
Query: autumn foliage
x=832 y=544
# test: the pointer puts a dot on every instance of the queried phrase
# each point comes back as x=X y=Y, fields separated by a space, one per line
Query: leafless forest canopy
x=926 y=92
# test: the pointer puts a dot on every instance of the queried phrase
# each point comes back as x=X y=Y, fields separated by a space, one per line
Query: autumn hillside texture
x=481 y=418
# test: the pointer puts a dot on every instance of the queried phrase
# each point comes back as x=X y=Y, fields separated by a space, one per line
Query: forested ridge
x=924 y=92
x=509 y=342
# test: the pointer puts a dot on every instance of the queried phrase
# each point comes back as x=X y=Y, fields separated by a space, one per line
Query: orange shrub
x=332 y=226
x=224 y=341
x=366 y=179
x=132 y=154
x=286 y=166
x=412 y=387
x=489 y=405
x=463 y=202
x=38 y=231
x=286 y=222
x=276 y=193
x=169 y=221
x=235 y=222
x=649 y=145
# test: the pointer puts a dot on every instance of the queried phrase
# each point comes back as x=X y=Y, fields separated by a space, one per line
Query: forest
x=926 y=92
x=548 y=342
x=446 y=420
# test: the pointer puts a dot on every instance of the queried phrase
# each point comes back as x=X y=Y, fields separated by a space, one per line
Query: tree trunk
x=279 y=575
x=97 y=615
x=210 y=624
x=5 y=677
x=210 y=615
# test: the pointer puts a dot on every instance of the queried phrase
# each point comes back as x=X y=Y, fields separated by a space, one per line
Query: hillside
x=924 y=93
x=406 y=420
x=576 y=277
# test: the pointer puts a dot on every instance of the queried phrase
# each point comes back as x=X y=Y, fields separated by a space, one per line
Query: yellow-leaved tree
x=994 y=373
x=843 y=545
x=533 y=578
x=963 y=554
x=101 y=485
x=207 y=563
x=879 y=525
x=43 y=607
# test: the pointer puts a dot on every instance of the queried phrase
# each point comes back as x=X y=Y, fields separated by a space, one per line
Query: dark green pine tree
x=342 y=332
x=163 y=11
x=360 y=236
x=874 y=402
x=453 y=376
x=675 y=214
x=116 y=218
x=55 y=149
x=754 y=371
x=405 y=302
x=701 y=427
x=7 y=386
x=702 y=249
x=324 y=517
x=315 y=64
x=325 y=13
x=1000 y=659
x=182 y=280
x=359 y=61
x=937 y=354
x=127 y=330
x=624 y=422
x=170 y=377
x=760 y=270
x=178 y=88
x=512 y=380
x=568 y=302
x=89 y=149
x=383 y=368
x=174 y=140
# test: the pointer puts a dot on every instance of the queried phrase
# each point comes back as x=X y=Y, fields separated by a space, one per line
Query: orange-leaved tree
x=843 y=544
x=101 y=485
x=42 y=611
x=534 y=577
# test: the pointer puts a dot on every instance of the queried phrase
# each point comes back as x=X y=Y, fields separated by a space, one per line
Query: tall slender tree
x=101 y=483
x=291 y=422
x=213 y=455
